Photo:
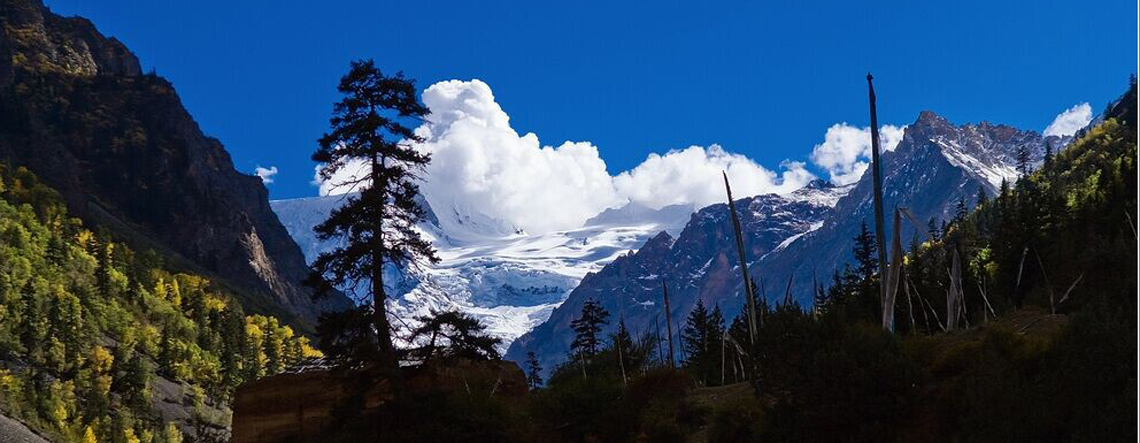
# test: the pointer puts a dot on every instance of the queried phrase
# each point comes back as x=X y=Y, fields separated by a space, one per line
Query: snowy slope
x=507 y=278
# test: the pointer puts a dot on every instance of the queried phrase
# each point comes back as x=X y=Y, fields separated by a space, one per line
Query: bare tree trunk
x=877 y=176
x=657 y=326
x=1049 y=286
x=1020 y=268
x=750 y=301
x=379 y=296
x=909 y=307
x=722 y=345
x=668 y=323
x=1071 y=287
x=621 y=353
x=954 y=293
x=389 y=363
x=788 y=291
x=893 y=273
x=816 y=295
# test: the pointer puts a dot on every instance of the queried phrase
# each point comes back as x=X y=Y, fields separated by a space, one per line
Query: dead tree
x=877 y=176
x=743 y=262
x=668 y=323
x=954 y=295
x=891 y=280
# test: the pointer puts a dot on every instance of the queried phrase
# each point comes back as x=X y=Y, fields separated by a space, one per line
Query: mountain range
x=527 y=288
x=119 y=145
x=791 y=242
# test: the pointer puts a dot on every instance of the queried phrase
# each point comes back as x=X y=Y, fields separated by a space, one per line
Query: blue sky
x=763 y=79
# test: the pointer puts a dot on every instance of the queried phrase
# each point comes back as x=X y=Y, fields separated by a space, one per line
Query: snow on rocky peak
x=509 y=279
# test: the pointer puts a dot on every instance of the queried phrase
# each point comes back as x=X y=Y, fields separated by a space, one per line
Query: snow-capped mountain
x=936 y=165
x=699 y=263
x=490 y=269
x=803 y=237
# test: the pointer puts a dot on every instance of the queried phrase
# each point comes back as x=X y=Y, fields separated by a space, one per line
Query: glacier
x=507 y=278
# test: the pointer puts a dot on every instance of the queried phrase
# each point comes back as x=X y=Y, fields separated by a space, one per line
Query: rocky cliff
x=76 y=109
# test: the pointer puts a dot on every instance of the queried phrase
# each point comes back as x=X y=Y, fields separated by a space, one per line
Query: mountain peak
x=930 y=118
x=819 y=183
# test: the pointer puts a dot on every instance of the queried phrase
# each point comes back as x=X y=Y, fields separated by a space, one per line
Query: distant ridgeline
x=102 y=343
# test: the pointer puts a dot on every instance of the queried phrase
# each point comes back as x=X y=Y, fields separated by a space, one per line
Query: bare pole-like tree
x=954 y=295
x=620 y=351
x=668 y=323
x=750 y=299
x=657 y=328
x=893 y=272
x=877 y=176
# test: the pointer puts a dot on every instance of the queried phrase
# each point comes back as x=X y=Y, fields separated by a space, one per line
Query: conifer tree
x=1022 y=158
x=622 y=345
x=960 y=210
x=587 y=328
x=135 y=384
x=865 y=262
x=932 y=229
x=271 y=345
x=533 y=371
x=453 y=334
x=701 y=341
x=694 y=335
x=369 y=141
x=167 y=352
x=32 y=329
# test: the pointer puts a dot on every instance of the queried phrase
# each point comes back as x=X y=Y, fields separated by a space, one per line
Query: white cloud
x=846 y=150
x=481 y=165
x=693 y=175
x=1070 y=121
x=265 y=174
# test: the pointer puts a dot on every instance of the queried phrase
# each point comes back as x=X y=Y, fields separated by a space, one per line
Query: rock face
x=12 y=431
x=700 y=264
x=932 y=168
x=76 y=110
x=299 y=404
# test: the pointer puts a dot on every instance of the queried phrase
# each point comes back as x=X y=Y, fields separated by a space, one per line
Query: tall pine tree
x=533 y=371
x=377 y=227
x=587 y=329
x=701 y=339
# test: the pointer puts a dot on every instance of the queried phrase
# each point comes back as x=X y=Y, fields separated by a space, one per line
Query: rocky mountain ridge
x=76 y=109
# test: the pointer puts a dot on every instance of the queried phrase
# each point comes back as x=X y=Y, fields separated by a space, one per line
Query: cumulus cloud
x=1070 y=121
x=846 y=150
x=265 y=174
x=692 y=175
x=482 y=166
